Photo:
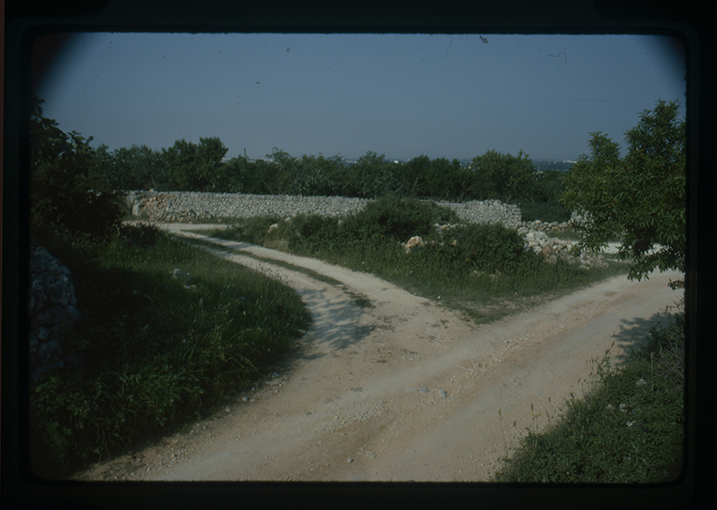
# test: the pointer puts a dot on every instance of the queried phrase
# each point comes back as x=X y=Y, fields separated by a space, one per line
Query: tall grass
x=629 y=428
x=156 y=349
x=481 y=269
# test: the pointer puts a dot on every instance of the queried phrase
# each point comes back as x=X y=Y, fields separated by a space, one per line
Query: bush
x=65 y=192
x=398 y=219
x=544 y=211
x=467 y=248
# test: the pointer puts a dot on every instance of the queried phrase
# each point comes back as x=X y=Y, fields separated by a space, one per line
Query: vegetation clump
x=642 y=198
x=156 y=350
x=476 y=268
x=628 y=429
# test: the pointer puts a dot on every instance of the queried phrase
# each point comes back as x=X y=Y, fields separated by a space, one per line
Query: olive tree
x=640 y=198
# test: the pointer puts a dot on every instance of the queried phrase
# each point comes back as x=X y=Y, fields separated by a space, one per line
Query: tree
x=414 y=174
x=195 y=167
x=66 y=191
x=641 y=198
x=136 y=168
x=373 y=176
x=502 y=176
x=548 y=186
x=447 y=180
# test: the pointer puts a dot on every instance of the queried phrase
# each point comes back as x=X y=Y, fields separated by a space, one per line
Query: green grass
x=160 y=352
x=157 y=351
x=357 y=297
x=487 y=274
x=628 y=428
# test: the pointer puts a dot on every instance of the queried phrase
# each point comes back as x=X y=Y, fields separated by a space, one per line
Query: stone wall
x=193 y=206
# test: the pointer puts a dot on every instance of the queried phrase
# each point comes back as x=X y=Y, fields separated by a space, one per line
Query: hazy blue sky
x=453 y=96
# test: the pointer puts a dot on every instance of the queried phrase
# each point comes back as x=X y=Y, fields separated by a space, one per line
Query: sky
x=401 y=95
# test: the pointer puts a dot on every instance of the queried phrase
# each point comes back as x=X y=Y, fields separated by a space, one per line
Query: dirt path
x=405 y=390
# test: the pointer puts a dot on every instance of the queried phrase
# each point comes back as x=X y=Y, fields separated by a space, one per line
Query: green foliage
x=475 y=268
x=190 y=167
x=195 y=167
x=641 y=198
x=373 y=176
x=136 y=168
x=628 y=429
x=65 y=191
x=307 y=175
x=544 y=211
x=548 y=186
x=448 y=181
x=488 y=248
x=398 y=219
x=502 y=176
x=156 y=351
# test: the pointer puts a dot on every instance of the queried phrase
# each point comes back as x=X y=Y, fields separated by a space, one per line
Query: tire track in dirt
x=405 y=390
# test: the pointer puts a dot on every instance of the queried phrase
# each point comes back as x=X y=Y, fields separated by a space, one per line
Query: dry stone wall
x=193 y=206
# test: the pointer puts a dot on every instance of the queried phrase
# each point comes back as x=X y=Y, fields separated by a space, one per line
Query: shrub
x=629 y=428
x=65 y=192
x=482 y=247
x=398 y=219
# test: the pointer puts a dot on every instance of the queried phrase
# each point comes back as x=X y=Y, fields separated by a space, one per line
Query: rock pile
x=541 y=226
x=536 y=239
x=552 y=248
x=52 y=310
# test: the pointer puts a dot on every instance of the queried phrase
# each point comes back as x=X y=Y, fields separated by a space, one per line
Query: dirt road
x=403 y=391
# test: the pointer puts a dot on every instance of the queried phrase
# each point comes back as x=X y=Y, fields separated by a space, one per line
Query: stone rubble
x=536 y=239
x=551 y=248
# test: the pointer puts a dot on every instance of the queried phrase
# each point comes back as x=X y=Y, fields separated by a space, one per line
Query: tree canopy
x=502 y=176
x=640 y=198
x=195 y=167
x=66 y=191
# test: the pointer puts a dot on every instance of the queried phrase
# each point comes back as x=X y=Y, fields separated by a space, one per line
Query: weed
x=627 y=429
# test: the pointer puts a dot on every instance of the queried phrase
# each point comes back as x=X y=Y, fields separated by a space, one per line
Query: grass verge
x=628 y=428
x=357 y=297
x=482 y=270
x=158 y=347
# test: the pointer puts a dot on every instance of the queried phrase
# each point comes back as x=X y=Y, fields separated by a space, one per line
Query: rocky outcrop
x=52 y=309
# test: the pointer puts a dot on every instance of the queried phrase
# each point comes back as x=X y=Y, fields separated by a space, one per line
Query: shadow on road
x=335 y=320
x=634 y=335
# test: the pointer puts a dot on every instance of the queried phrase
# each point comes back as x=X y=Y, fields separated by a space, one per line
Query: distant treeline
x=187 y=166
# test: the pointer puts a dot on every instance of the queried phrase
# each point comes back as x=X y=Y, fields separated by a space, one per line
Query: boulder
x=413 y=243
x=52 y=310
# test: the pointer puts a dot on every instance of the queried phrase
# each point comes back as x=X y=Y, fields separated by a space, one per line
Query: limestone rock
x=52 y=310
x=413 y=243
